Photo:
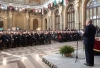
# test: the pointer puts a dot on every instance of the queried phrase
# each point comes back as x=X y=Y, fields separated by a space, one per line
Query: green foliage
x=66 y=49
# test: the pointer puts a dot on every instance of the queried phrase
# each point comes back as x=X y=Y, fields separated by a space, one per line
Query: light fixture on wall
x=5 y=17
x=20 y=9
x=27 y=16
x=38 y=29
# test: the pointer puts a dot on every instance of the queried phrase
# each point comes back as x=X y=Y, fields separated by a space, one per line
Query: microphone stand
x=78 y=39
x=76 y=58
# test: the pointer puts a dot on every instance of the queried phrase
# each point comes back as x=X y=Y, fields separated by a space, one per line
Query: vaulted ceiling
x=29 y=2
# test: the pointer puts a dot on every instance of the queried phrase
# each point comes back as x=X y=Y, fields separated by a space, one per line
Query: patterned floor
x=31 y=56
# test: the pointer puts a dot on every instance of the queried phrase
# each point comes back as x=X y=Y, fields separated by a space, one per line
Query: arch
x=19 y=21
x=84 y=4
x=92 y=11
x=70 y=16
x=35 y=24
x=65 y=14
x=57 y=20
x=45 y=23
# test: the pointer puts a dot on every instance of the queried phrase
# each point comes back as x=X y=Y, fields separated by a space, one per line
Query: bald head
x=88 y=21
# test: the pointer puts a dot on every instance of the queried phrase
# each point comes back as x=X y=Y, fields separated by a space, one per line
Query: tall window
x=35 y=24
x=71 y=17
x=93 y=11
x=1 y=23
x=46 y=24
x=57 y=20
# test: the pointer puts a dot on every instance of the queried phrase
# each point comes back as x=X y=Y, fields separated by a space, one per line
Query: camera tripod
x=76 y=58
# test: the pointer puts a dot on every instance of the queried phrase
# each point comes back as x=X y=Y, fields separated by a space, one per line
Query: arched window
x=93 y=11
x=46 y=24
x=1 y=23
x=35 y=24
x=71 y=17
x=57 y=20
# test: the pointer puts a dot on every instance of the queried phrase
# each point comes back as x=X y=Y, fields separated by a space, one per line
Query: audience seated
x=12 y=39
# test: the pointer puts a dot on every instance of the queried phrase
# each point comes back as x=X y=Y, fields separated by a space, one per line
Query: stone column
x=5 y=24
x=83 y=16
x=77 y=16
x=27 y=21
x=60 y=13
x=39 y=23
x=49 y=19
x=43 y=23
x=31 y=23
x=10 y=20
x=53 y=20
x=64 y=18
x=50 y=23
x=61 y=23
x=5 y=21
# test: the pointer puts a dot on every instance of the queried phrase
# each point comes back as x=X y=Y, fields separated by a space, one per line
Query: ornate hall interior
x=44 y=14
x=27 y=17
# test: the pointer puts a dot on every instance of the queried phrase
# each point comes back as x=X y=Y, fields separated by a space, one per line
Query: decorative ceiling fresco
x=29 y=2
x=38 y=1
x=15 y=1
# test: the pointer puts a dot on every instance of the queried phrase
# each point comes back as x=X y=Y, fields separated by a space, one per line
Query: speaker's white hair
x=89 y=20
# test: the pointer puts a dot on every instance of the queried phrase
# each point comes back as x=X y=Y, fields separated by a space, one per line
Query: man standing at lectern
x=89 y=39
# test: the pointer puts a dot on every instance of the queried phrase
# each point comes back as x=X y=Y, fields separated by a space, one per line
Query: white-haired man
x=89 y=38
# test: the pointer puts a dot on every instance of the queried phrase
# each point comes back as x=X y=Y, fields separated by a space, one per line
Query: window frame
x=94 y=7
x=71 y=17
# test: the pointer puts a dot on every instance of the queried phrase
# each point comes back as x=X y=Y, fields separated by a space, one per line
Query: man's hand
x=82 y=32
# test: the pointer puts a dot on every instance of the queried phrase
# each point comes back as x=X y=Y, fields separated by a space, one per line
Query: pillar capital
x=60 y=10
x=77 y=4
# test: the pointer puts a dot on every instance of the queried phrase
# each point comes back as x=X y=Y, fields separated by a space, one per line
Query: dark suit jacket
x=89 y=35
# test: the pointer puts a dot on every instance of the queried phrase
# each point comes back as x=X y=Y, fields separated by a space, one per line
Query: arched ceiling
x=29 y=2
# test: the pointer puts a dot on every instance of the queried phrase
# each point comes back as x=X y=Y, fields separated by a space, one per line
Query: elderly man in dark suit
x=89 y=38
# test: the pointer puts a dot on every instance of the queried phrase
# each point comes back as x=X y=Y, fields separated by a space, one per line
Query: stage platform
x=57 y=61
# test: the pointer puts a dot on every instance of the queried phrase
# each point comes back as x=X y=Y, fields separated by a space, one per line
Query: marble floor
x=59 y=61
x=31 y=56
